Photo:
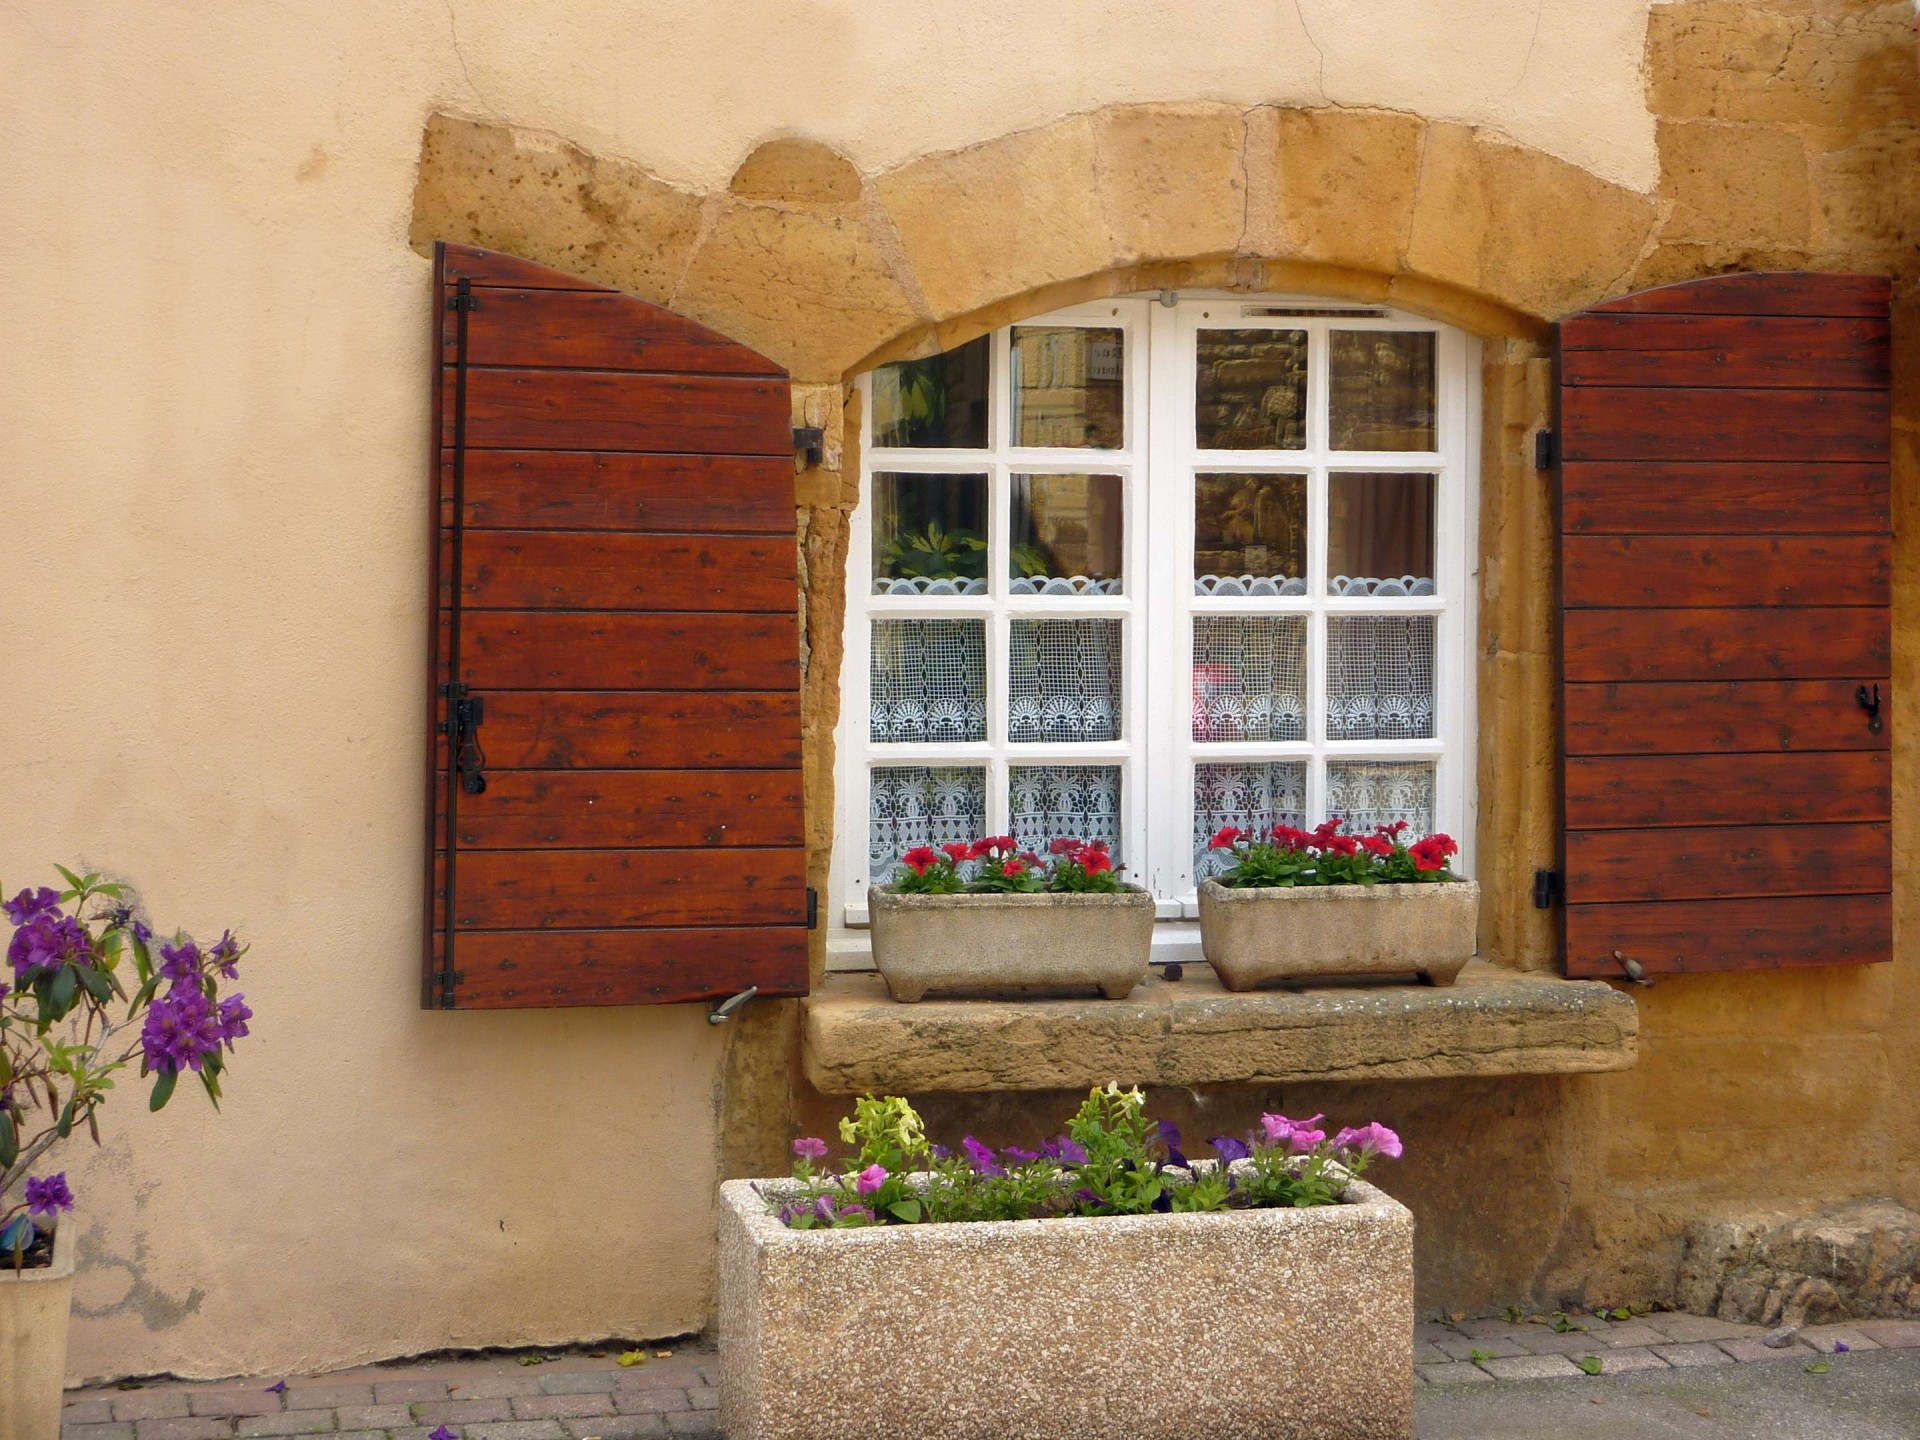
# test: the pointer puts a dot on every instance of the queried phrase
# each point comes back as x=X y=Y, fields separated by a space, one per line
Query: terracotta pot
x=33 y=1341
x=1304 y=932
x=1011 y=944
x=1287 y=1324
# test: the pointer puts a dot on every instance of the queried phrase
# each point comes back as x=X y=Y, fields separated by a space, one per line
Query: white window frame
x=1156 y=752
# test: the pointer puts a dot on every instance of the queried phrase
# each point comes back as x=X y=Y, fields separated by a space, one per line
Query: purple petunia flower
x=981 y=1157
x=940 y=1152
x=1372 y=1139
x=29 y=903
x=1228 y=1149
x=1066 y=1151
x=1169 y=1134
x=1841 y=1347
x=870 y=1179
x=48 y=1196
x=279 y=1387
x=1016 y=1154
x=440 y=1432
x=810 y=1147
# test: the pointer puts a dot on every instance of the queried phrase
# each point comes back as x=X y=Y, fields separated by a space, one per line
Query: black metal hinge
x=813 y=908
x=464 y=300
x=1547 y=888
x=449 y=979
x=1546 y=450
x=810 y=441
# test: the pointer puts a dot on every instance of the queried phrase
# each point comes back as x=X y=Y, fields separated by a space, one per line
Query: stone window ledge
x=1492 y=1021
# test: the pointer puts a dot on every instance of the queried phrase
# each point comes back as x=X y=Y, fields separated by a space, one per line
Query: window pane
x=1078 y=801
x=1380 y=534
x=939 y=402
x=1381 y=396
x=1371 y=793
x=1254 y=797
x=911 y=805
x=1249 y=534
x=928 y=680
x=1249 y=677
x=1065 y=680
x=1250 y=392
x=929 y=534
x=1068 y=384
x=1067 y=535
x=1380 y=677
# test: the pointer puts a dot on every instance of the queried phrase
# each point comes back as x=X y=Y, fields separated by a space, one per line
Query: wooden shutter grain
x=624 y=604
x=1725 y=552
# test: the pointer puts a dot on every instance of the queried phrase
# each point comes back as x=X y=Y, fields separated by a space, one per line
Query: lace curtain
x=1064 y=680
x=1254 y=797
x=928 y=680
x=911 y=805
x=1380 y=677
x=1249 y=677
x=1369 y=793
x=1081 y=801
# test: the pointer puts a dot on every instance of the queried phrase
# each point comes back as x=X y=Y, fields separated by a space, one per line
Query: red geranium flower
x=1343 y=845
x=1014 y=867
x=994 y=845
x=1226 y=837
x=1095 y=861
x=1289 y=838
x=1326 y=830
x=1431 y=853
x=1377 y=845
x=957 y=850
x=1062 y=845
x=920 y=859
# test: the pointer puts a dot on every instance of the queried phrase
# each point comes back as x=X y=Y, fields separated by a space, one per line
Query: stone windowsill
x=1493 y=1021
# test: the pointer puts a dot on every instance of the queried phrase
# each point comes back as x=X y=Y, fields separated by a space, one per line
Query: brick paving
x=592 y=1397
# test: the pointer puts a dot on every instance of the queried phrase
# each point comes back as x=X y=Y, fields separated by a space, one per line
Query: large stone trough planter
x=1277 y=1324
x=33 y=1341
x=1011 y=944
x=1303 y=932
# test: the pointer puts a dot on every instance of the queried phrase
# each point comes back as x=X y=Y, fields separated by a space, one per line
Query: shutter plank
x=677 y=494
x=1727 y=862
x=629 y=889
x=1672 y=498
x=646 y=730
x=1634 y=423
x=1775 y=293
x=637 y=809
x=516 y=969
x=595 y=330
x=1790 y=644
x=607 y=410
x=1726 y=570
x=1742 y=351
x=1779 y=931
x=532 y=649
x=599 y=571
x=1650 y=718
x=1653 y=790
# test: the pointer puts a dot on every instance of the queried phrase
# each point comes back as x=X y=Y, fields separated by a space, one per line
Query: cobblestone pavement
x=569 y=1397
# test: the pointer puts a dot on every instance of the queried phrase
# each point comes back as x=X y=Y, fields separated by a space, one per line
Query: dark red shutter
x=616 y=592
x=1725 y=557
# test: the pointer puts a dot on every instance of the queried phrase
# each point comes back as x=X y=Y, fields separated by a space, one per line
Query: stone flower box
x=1301 y=932
x=1011 y=943
x=1295 y=1324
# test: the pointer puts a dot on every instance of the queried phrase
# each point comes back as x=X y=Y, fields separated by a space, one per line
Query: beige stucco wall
x=213 y=394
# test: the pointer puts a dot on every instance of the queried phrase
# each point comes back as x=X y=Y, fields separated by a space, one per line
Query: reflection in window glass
x=1381 y=395
x=936 y=403
x=1380 y=534
x=1067 y=535
x=929 y=534
x=1249 y=534
x=1250 y=390
x=1068 y=386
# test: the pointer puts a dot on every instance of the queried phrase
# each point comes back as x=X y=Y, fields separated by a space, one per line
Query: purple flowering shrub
x=1113 y=1159
x=85 y=999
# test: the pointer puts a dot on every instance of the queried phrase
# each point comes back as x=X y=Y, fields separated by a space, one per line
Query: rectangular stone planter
x=1304 y=932
x=1280 y=1324
x=33 y=1341
x=1010 y=944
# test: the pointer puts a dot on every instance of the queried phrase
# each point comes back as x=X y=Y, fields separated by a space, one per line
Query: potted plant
x=85 y=1001
x=1300 y=904
x=985 y=916
x=1102 y=1285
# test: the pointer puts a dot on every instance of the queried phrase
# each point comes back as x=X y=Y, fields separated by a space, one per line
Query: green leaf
x=142 y=960
x=72 y=879
x=1820 y=1367
x=163 y=1089
x=1590 y=1363
x=9 y=1141
x=213 y=1087
x=1478 y=1355
x=60 y=994
x=116 y=890
x=907 y=1211
x=98 y=985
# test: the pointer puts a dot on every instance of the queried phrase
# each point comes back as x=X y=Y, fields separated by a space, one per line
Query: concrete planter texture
x=1302 y=932
x=1280 y=1324
x=33 y=1342
x=1011 y=944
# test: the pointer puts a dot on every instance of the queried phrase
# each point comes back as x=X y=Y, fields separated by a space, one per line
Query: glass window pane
x=1249 y=534
x=911 y=805
x=1381 y=395
x=1380 y=534
x=1068 y=386
x=1064 y=683
x=1250 y=392
x=1370 y=793
x=929 y=534
x=928 y=680
x=939 y=402
x=1380 y=677
x=1249 y=677
x=1067 y=535
x=1080 y=802
x=1254 y=797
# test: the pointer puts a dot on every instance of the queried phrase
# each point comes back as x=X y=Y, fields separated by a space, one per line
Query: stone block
x=1321 y=1308
x=1828 y=1339
x=149 y=1404
x=521 y=1381
x=1332 y=185
x=1453 y=1373
x=649 y=1402
x=1689 y=1329
x=1748 y=1349
x=1734 y=184
x=1629 y=1336
x=195 y=1427
x=703 y=1422
x=233 y=1402
x=1695 y=1356
x=461 y=1412
x=578 y=1382
x=795 y=171
x=617 y=1427
x=78 y=1430
x=1618 y=1362
x=373 y=1417
x=1530 y=1367
x=287 y=1422
x=1464 y=1347
x=1866 y=194
x=93 y=1410
x=1172 y=179
x=405 y=1392
x=326 y=1397
x=1892 y=1334
x=558 y=1407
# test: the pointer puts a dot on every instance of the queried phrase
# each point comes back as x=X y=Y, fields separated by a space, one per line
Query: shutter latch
x=1546 y=888
x=1635 y=971
x=1546 y=450
x=810 y=441
x=723 y=1012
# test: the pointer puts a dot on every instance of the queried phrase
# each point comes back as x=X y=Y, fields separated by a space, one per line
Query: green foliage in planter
x=1287 y=856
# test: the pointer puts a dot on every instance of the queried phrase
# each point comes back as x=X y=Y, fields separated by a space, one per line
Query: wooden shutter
x=1725 y=556
x=615 y=587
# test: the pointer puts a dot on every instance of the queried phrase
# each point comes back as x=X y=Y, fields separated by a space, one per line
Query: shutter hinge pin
x=448 y=980
x=723 y=1012
x=811 y=442
x=1546 y=449
x=1635 y=971
x=1546 y=888
x=813 y=908
x=464 y=298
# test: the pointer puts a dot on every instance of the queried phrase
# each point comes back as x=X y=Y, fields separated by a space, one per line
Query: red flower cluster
x=1431 y=853
x=1090 y=855
x=1076 y=865
x=1288 y=855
